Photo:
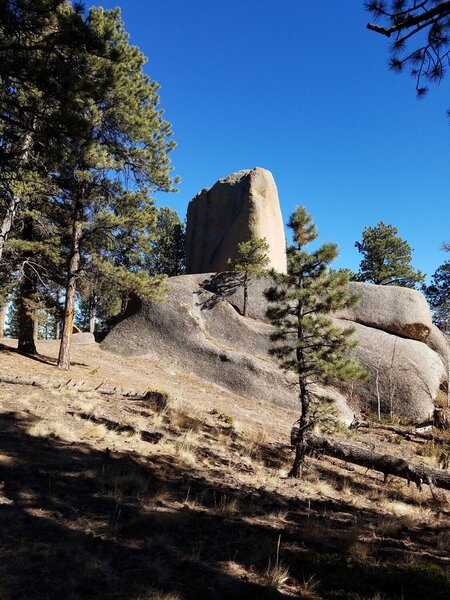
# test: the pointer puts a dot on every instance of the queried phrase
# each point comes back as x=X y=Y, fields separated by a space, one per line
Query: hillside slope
x=108 y=497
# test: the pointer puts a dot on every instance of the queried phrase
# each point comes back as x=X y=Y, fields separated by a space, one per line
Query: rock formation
x=239 y=207
x=199 y=329
x=393 y=309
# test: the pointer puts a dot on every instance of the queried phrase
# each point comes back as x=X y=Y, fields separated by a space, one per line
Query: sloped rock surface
x=406 y=374
x=199 y=329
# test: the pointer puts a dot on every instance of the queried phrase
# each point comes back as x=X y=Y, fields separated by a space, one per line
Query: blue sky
x=302 y=89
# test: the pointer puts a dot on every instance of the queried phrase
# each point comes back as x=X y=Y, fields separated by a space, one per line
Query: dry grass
x=405 y=510
x=151 y=594
x=52 y=428
x=308 y=588
x=184 y=447
x=443 y=540
x=93 y=431
x=276 y=573
x=132 y=484
x=227 y=506
x=218 y=493
x=252 y=446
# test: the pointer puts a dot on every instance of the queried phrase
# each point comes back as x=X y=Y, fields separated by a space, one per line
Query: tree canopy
x=83 y=145
x=386 y=258
x=438 y=295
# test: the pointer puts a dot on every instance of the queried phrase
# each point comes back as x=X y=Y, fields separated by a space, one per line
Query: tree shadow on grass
x=80 y=523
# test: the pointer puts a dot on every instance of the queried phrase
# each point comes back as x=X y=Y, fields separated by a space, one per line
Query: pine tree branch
x=441 y=10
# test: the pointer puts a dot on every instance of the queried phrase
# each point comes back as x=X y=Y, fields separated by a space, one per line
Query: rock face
x=405 y=374
x=83 y=338
x=440 y=343
x=394 y=309
x=239 y=207
x=199 y=329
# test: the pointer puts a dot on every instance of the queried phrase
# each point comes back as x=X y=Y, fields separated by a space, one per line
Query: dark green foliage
x=438 y=296
x=252 y=262
x=427 y=22
x=306 y=341
x=167 y=246
x=386 y=258
x=83 y=145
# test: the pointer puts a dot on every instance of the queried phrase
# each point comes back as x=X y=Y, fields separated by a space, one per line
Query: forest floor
x=113 y=498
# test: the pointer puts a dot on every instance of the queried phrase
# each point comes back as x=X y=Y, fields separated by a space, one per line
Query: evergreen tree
x=305 y=340
x=12 y=318
x=252 y=262
x=438 y=296
x=42 y=80
x=168 y=239
x=125 y=136
x=387 y=258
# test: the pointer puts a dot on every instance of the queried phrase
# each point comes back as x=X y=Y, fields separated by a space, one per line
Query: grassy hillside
x=108 y=497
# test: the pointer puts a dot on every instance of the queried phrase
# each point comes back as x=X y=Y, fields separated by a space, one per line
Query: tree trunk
x=301 y=445
x=3 y=318
x=389 y=465
x=58 y=316
x=409 y=434
x=124 y=302
x=27 y=290
x=14 y=201
x=71 y=289
x=8 y=221
x=35 y=327
x=92 y=312
x=244 y=308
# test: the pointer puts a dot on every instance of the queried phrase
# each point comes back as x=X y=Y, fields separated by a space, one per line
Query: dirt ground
x=109 y=497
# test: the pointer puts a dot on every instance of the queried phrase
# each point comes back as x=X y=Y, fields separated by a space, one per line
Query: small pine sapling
x=252 y=262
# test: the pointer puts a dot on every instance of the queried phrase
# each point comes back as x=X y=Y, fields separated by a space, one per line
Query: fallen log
x=385 y=463
x=406 y=433
x=81 y=386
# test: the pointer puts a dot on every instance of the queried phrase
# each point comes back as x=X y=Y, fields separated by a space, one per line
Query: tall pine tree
x=305 y=340
x=124 y=139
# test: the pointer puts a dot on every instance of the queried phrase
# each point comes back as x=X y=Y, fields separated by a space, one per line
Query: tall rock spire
x=242 y=206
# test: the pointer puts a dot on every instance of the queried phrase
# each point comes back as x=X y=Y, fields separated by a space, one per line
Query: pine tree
x=168 y=240
x=125 y=136
x=41 y=82
x=305 y=340
x=438 y=296
x=387 y=258
x=252 y=262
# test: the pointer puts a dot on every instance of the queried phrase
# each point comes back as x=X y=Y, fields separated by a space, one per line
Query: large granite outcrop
x=239 y=207
x=405 y=374
x=393 y=309
x=199 y=329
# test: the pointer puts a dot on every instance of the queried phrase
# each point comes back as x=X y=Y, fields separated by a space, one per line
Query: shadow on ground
x=78 y=523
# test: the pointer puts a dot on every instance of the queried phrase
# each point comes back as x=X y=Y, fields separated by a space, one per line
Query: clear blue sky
x=302 y=89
